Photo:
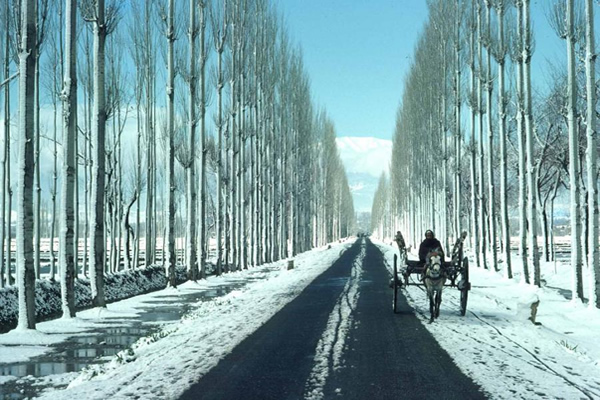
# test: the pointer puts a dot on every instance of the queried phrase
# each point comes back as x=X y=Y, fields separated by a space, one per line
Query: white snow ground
x=502 y=350
x=494 y=343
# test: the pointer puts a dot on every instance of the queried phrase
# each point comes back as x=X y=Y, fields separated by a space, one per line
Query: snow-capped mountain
x=365 y=158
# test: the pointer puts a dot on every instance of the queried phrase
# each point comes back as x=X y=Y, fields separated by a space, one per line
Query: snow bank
x=119 y=286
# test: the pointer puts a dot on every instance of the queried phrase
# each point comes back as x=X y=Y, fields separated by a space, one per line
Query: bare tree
x=204 y=5
x=139 y=57
x=25 y=246
x=170 y=153
x=517 y=57
x=563 y=21
x=480 y=164
x=500 y=56
x=95 y=13
x=53 y=84
x=472 y=100
x=4 y=266
x=531 y=173
x=489 y=41
x=220 y=27
x=591 y=155
x=149 y=76
x=40 y=19
x=457 y=127
x=69 y=95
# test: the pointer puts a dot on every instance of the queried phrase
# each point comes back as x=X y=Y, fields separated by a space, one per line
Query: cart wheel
x=395 y=279
x=464 y=286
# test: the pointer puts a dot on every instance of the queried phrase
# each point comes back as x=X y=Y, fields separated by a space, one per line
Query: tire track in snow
x=498 y=340
x=534 y=360
x=527 y=356
x=330 y=347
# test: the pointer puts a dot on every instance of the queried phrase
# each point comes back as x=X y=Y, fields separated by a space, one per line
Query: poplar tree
x=483 y=232
x=96 y=14
x=25 y=225
x=591 y=155
x=532 y=214
x=500 y=56
x=191 y=249
x=67 y=253
x=574 y=168
x=204 y=6
x=220 y=28
x=517 y=57
x=170 y=153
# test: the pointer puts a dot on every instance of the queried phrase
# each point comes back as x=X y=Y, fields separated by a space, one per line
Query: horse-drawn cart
x=456 y=272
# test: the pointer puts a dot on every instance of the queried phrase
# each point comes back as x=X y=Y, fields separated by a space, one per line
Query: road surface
x=339 y=339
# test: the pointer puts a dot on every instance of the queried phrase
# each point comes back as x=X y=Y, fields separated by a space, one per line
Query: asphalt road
x=385 y=355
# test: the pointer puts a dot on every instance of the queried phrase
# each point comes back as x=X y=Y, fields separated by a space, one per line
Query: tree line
x=473 y=145
x=170 y=120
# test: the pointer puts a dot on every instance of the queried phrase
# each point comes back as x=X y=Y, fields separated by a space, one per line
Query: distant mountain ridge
x=365 y=159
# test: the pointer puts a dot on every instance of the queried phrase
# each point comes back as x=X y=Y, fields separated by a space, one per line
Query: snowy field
x=494 y=343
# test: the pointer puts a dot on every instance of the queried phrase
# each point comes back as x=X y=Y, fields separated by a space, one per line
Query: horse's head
x=434 y=263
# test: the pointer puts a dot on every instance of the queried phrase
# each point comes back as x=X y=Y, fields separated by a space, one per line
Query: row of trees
x=236 y=142
x=445 y=176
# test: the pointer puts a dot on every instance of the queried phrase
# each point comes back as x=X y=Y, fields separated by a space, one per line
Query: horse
x=434 y=279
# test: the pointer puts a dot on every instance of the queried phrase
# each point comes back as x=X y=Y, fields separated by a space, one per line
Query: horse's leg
x=431 y=306
x=438 y=302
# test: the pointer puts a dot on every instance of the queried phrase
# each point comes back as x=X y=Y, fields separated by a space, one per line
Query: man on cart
x=429 y=244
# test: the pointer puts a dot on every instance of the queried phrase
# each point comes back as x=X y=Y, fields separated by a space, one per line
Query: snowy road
x=326 y=330
x=339 y=338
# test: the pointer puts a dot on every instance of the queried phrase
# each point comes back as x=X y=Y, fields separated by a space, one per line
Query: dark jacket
x=427 y=245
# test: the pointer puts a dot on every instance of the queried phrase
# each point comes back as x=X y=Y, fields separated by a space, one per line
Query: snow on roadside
x=23 y=353
x=502 y=350
x=165 y=364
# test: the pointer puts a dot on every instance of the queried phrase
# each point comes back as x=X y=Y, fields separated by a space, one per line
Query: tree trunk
x=473 y=164
x=66 y=249
x=481 y=174
x=170 y=189
x=233 y=134
x=5 y=266
x=36 y=151
x=457 y=133
x=220 y=172
x=500 y=8
x=150 y=219
x=25 y=224
x=203 y=240
x=241 y=173
x=576 y=257
x=592 y=176
x=54 y=188
x=521 y=139
x=531 y=200
x=192 y=265
x=128 y=230
x=490 y=144
x=97 y=240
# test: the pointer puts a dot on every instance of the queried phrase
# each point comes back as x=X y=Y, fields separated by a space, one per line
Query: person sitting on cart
x=429 y=244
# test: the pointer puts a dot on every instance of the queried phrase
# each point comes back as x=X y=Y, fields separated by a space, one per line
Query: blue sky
x=357 y=53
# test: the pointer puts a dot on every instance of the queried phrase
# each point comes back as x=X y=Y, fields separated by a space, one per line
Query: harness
x=426 y=274
x=433 y=279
